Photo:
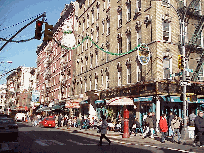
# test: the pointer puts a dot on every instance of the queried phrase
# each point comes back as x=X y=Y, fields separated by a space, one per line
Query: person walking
x=104 y=127
x=149 y=123
x=175 y=125
x=59 y=120
x=154 y=122
x=199 y=126
x=171 y=116
x=192 y=117
x=163 y=127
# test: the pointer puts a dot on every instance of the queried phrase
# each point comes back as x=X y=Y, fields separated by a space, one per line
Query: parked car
x=20 y=117
x=8 y=134
x=47 y=122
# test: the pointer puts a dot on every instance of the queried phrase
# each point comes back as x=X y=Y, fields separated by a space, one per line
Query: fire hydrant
x=126 y=133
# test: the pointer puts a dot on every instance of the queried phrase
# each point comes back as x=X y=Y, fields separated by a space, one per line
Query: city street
x=54 y=140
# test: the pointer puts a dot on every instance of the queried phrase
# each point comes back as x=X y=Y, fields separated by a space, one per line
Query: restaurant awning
x=171 y=98
x=84 y=102
x=143 y=99
x=99 y=102
x=120 y=101
x=56 y=107
x=72 y=104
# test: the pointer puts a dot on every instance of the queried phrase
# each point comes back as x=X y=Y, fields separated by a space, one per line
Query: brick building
x=116 y=65
x=54 y=62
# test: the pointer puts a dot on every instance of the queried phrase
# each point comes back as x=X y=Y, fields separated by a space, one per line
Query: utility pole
x=43 y=15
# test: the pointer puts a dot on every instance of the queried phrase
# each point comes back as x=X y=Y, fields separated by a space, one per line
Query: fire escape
x=194 y=45
x=47 y=76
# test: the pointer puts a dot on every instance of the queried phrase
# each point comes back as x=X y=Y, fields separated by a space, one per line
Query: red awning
x=72 y=104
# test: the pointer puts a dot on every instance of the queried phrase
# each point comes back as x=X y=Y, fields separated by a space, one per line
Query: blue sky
x=13 y=12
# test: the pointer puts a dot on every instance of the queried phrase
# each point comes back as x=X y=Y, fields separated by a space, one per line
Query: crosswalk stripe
x=41 y=143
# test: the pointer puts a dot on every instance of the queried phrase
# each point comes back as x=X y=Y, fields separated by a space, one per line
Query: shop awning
x=56 y=107
x=143 y=99
x=72 y=104
x=84 y=102
x=99 y=102
x=171 y=98
x=120 y=101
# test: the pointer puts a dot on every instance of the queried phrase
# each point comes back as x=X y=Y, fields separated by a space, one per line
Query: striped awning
x=120 y=101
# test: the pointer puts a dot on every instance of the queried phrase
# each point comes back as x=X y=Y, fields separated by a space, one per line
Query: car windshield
x=49 y=119
x=6 y=121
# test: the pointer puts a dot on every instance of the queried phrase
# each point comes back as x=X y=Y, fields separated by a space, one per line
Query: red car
x=47 y=122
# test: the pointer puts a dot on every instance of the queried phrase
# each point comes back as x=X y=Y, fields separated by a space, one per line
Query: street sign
x=189 y=70
x=183 y=83
x=176 y=74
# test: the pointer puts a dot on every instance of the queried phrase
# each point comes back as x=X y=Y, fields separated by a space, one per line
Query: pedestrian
x=199 y=126
x=136 y=126
x=171 y=116
x=149 y=124
x=104 y=127
x=175 y=125
x=59 y=120
x=192 y=117
x=154 y=122
x=163 y=127
x=131 y=122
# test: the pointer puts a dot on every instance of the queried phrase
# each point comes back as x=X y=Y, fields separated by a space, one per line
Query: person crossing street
x=104 y=127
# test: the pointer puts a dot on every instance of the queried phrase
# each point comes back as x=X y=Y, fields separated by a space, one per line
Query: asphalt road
x=52 y=140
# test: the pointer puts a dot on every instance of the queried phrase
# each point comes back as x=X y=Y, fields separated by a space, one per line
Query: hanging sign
x=143 y=54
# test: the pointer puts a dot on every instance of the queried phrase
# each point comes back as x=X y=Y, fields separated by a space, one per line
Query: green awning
x=99 y=102
x=84 y=102
x=171 y=98
x=143 y=99
x=56 y=107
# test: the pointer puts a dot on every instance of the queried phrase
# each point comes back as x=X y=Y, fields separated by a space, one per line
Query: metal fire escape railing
x=194 y=13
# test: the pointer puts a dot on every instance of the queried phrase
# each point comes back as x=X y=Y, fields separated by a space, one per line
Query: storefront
x=84 y=108
x=116 y=106
x=100 y=108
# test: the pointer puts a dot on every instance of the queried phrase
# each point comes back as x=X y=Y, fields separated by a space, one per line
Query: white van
x=20 y=117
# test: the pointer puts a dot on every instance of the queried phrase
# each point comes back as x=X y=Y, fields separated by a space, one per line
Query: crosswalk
x=49 y=142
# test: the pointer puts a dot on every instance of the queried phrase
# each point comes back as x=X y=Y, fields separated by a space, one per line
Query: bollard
x=126 y=133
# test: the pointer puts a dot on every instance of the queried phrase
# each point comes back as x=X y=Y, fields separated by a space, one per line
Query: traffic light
x=48 y=32
x=38 y=29
x=180 y=62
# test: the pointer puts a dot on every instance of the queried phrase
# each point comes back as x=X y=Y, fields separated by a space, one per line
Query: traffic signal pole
x=43 y=15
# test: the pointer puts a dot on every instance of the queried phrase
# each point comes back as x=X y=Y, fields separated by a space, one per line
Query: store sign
x=143 y=54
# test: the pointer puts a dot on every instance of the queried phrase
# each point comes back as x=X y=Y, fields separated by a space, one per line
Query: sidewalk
x=138 y=140
x=116 y=137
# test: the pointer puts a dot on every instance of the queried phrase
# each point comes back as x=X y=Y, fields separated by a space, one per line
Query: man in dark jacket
x=154 y=122
x=149 y=123
x=171 y=116
x=199 y=125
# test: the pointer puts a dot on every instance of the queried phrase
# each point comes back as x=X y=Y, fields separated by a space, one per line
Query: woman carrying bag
x=104 y=127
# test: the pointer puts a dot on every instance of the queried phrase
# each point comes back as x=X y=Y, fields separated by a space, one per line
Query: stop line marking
x=48 y=142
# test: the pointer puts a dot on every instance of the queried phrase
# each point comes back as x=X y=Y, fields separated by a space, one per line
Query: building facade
x=129 y=49
x=2 y=97
x=55 y=63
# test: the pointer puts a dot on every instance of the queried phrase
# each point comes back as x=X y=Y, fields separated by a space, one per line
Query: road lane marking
x=41 y=143
x=82 y=144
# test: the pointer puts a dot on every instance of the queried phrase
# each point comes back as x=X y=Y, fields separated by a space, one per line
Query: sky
x=14 y=14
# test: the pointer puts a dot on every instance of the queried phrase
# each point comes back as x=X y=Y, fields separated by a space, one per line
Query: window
x=138 y=6
x=87 y=21
x=91 y=61
x=92 y=16
x=83 y=26
x=96 y=82
x=128 y=74
x=139 y=37
x=81 y=69
x=85 y=86
x=97 y=35
x=128 y=12
x=120 y=19
x=108 y=4
x=92 y=40
x=119 y=67
x=81 y=87
x=107 y=81
x=97 y=13
x=167 y=65
x=128 y=42
x=139 y=74
x=108 y=27
x=103 y=24
x=90 y=84
x=119 y=45
x=96 y=59
x=166 y=30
